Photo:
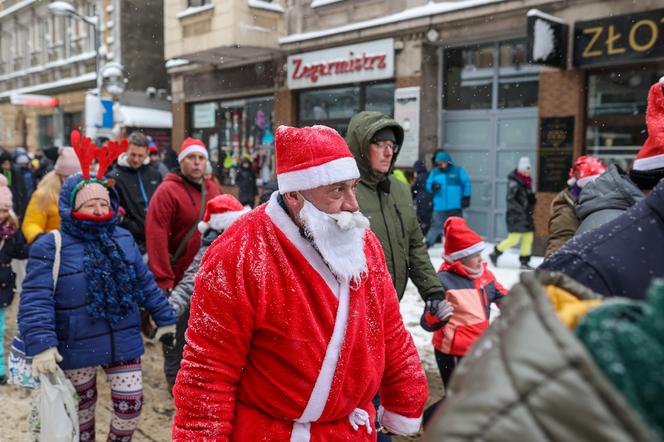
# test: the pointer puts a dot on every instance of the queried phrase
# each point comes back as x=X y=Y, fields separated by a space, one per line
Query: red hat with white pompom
x=311 y=157
x=460 y=240
x=648 y=168
x=192 y=145
x=220 y=212
x=585 y=170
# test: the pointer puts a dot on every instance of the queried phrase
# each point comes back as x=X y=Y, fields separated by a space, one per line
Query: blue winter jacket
x=60 y=320
x=454 y=185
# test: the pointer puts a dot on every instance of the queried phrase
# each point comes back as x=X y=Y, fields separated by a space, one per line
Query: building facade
x=54 y=57
x=456 y=75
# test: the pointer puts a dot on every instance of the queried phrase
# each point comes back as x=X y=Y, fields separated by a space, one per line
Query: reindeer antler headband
x=87 y=151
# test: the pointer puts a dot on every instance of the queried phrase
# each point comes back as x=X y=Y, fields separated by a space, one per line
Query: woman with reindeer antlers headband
x=81 y=296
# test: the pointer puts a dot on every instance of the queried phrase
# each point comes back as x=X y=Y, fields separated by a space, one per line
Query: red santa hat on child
x=460 y=240
x=648 y=168
x=311 y=157
x=585 y=170
x=191 y=145
x=220 y=212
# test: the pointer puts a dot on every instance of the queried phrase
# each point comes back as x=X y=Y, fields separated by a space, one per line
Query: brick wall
x=561 y=93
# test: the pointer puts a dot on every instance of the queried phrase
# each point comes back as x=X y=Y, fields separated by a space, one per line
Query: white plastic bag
x=54 y=416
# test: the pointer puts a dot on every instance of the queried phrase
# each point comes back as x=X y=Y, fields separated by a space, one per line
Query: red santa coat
x=278 y=350
x=173 y=210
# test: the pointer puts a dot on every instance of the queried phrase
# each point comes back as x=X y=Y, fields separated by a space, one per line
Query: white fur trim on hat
x=459 y=254
x=198 y=148
x=649 y=163
x=581 y=182
x=221 y=221
x=335 y=171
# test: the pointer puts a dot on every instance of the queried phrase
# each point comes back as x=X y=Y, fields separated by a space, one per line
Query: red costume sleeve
x=403 y=390
x=218 y=338
x=157 y=233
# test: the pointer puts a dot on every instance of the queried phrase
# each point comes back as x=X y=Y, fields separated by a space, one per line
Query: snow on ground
x=412 y=305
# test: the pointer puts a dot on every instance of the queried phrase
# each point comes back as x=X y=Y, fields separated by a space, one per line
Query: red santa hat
x=192 y=145
x=585 y=170
x=220 y=212
x=460 y=240
x=311 y=157
x=648 y=168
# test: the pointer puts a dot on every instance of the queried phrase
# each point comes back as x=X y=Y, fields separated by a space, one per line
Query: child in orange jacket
x=470 y=288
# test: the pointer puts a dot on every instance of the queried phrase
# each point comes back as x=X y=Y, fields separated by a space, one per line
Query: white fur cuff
x=398 y=424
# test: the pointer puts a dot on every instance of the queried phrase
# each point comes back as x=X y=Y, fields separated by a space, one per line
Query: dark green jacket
x=388 y=204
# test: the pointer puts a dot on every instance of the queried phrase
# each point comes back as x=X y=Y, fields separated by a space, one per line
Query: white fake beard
x=339 y=238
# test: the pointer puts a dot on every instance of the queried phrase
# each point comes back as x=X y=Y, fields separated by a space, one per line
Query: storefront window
x=334 y=107
x=471 y=73
x=236 y=129
x=616 y=108
x=469 y=77
x=517 y=80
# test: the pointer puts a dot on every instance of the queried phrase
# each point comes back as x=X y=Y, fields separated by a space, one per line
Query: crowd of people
x=285 y=317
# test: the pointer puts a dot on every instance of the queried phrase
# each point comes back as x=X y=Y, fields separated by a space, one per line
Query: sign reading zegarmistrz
x=356 y=63
x=620 y=38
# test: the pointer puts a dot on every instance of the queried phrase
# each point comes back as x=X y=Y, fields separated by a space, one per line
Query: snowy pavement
x=412 y=305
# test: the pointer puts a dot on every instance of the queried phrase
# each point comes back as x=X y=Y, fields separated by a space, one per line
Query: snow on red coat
x=471 y=299
x=267 y=316
x=173 y=210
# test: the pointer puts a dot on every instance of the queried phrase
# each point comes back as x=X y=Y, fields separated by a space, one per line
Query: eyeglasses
x=382 y=145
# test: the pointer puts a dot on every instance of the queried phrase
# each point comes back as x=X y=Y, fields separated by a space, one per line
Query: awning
x=145 y=117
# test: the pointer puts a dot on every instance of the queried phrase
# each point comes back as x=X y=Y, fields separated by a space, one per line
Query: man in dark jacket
x=423 y=198
x=621 y=257
x=245 y=181
x=16 y=184
x=136 y=182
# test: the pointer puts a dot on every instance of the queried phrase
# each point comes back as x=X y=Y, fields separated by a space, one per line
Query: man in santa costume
x=295 y=324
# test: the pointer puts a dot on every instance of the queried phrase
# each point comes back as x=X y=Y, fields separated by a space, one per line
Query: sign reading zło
x=369 y=61
x=619 y=38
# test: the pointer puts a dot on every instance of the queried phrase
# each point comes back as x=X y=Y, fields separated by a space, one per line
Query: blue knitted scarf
x=112 y=283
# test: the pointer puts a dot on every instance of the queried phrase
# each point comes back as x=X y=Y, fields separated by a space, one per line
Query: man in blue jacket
x=450 y=187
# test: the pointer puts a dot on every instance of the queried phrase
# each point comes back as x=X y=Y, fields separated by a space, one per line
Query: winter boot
x=525 y=263
x=493 y=256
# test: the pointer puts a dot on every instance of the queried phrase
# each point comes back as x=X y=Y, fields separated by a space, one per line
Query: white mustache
x=350 y=220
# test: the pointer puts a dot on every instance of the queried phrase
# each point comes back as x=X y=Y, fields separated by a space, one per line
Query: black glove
x=435 y=307
x=532 y=199
x=465 y=202
x=435 y=187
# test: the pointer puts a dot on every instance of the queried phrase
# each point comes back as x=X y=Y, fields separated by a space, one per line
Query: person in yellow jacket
x=42 y=215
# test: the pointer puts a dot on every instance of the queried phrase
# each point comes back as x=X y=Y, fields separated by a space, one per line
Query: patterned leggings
x=126 y=383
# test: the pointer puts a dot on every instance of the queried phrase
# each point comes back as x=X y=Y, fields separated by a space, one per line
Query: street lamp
x=67 y=10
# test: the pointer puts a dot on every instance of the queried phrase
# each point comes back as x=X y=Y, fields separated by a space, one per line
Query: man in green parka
x=374 y=139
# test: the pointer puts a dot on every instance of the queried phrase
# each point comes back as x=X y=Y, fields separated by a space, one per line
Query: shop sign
x=555 y=153
x=407 y=114
x=204 y=115
x=619 y=39
x=346 y=64
x=33 y=100
x=98 y=116
x=547 y=39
